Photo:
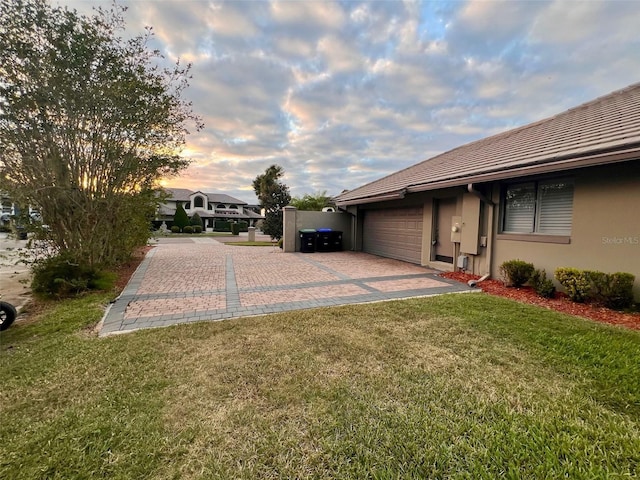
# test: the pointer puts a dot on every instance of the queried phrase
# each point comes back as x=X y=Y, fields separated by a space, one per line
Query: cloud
x=342 y=93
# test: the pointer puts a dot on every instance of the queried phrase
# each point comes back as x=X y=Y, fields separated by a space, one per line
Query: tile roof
x=183 y=194
x=601 y=131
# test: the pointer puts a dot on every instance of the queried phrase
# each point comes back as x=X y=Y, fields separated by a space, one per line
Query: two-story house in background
x=211 y=207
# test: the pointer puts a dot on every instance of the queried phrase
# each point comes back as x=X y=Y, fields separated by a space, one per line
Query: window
x=221 y=206
x=234 y=207
x=544 y=207
x=187 y=206
x=198 y=202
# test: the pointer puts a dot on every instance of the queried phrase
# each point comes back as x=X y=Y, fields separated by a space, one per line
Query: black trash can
x=323 y=240
x=336 y=241
x=307 y=240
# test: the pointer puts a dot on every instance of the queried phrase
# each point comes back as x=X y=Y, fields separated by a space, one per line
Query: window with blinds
x=544 y=207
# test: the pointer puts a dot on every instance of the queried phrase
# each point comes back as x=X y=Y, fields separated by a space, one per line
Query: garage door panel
x=394 y=233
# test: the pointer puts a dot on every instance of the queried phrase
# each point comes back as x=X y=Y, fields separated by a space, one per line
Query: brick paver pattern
x=184 y=280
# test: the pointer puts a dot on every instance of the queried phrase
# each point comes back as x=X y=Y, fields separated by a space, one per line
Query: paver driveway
x=195 y=279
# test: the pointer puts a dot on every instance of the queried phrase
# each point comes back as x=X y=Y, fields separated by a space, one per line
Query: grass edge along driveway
x=457 y=386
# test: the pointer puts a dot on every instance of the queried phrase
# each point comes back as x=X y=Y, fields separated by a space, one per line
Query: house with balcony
x=211 y=207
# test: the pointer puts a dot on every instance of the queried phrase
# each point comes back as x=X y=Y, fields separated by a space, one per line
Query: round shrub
x=516 y=273
x=576 y=282
x=175 y=229
x=187 y=229
x=197 y=229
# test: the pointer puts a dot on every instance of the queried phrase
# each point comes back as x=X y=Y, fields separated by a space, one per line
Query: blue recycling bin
x=323 y=240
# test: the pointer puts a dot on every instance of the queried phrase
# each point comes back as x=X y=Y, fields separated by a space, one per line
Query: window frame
x=535 y=235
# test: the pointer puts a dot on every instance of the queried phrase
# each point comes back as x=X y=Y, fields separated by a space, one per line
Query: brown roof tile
x=603 y=130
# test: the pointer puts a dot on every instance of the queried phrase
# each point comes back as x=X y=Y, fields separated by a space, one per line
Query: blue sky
x=342 y=93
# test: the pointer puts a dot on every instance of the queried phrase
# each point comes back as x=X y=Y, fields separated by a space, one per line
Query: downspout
x=491 y=205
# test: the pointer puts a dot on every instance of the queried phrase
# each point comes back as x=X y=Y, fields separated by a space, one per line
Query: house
x=211 y=207
x=564 y=191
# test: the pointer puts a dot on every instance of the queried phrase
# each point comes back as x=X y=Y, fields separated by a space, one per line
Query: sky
x=343 y=93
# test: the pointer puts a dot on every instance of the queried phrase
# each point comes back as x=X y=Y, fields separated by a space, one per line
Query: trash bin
x=323 y=240
x=307 y=240
x=336 y=241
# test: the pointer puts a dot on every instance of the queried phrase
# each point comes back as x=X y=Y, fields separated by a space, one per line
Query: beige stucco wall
x=296 y=220
x=605 y=233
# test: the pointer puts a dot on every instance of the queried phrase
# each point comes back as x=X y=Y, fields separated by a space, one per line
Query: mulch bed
x=125 y=271
x=560 y=303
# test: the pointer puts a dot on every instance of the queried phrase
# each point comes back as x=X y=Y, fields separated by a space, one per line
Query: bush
x=187 y=229
x=180 y=218
x=196 y=221
x=576 y=282
x=60 y=277
x=222 y=226
x=612 y=290
x=175 y=229
x=542 y=285
x=197 y=229
x=516 y=272
x=235 y=229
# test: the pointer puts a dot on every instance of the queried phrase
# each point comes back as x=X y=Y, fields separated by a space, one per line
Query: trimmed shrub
x=197 y=229
x=196 y=221
x=235 y=229
x=175 y=229
x=61 y=277
x=222 y=226
x=613 y=290
x=187 y=229
x=181 y=219
x=515 y=273
x=576 y=282
x=542 y=285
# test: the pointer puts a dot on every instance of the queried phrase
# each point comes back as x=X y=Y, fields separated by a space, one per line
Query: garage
x=394 y=233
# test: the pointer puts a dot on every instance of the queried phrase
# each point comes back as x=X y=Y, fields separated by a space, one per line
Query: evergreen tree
x=196 y=220
x=180 y=218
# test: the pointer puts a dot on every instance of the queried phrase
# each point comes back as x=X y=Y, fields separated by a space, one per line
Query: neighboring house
x=209 y=206
x=564 y=191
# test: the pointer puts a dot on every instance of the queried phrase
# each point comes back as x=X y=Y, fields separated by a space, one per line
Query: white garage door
x=394 y=233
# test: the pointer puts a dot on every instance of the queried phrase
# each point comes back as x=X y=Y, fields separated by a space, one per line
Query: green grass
x=458 y=386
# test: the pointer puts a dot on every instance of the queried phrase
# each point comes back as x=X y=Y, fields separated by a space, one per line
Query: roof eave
x=556 y=165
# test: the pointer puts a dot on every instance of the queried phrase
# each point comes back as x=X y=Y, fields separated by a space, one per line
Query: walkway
x=195 y=279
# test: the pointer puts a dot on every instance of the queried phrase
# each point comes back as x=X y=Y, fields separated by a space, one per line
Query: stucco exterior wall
x=605 y=232
x=296 y=220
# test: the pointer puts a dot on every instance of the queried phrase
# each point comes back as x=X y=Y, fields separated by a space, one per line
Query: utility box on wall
x=470 y=224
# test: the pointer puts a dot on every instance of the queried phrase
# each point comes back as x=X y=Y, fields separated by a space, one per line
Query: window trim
x=532 y=236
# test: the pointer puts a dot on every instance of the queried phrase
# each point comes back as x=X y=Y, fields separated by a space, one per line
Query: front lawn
x=457 y=386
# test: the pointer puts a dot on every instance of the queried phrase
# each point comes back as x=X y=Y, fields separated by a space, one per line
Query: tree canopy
x=273 y=196
x=89 y=122
x=317 y=201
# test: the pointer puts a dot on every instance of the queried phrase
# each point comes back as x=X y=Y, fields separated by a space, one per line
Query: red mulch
x=560 y=303
x=126 y=270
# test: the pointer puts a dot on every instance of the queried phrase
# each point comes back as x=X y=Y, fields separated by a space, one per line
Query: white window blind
x=539 y=207
x=520 y=203
x=555 y=208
